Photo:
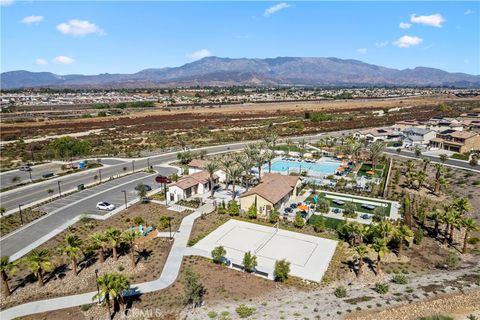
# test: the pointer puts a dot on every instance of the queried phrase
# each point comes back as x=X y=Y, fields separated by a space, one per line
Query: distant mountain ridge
x=281 y=71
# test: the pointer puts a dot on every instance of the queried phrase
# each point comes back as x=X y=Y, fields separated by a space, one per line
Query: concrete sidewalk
x=167 y=277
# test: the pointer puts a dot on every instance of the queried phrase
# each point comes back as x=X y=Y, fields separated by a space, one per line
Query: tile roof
x=274 y=187
x=198 y=163
x=194 y=179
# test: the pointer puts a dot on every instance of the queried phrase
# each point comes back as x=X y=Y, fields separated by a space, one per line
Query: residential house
x=375 y=134
x=195 y=184
x=456 y=141
x=274 y=191
x=198 y=165
x=414 y=136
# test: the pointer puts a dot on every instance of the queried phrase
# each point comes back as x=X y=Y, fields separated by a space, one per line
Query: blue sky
x=68 y=37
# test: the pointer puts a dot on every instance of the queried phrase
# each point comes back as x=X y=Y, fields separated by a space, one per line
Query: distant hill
x=215 y=71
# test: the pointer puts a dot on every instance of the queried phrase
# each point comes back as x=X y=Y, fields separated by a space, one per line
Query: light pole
x=100 y=174
x=30 y=173
x=148 y=163
x=98 y=289
x=59 y=189
x=133 y=165
x=125 y=197
x=20 y=211
x=170 y=226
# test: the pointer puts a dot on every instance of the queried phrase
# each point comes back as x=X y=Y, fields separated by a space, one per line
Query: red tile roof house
x=274 y=191
x=197 y=165
x=189 y=186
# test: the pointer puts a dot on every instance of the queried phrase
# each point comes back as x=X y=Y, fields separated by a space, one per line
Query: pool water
x=326 y=167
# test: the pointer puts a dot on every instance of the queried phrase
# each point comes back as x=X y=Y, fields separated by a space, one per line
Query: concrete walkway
x=167 y=277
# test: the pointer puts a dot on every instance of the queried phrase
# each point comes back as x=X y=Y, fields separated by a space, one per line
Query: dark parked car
x=368 y=206
x=288 y=209
x=365 y=216
x=293 y=205
x=146 y=186
x=336 y=210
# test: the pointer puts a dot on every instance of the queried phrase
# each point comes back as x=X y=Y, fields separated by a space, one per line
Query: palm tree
x=443 y=158
x=438 y=175
x=269 y=156
x=438 y=217
x=376 y=149
x=72 y=249
x=211 y=167
x=111 y=286
x=246 y=165
x=129 y=237
x=462 y=205
x=421 y=178
x=38 y=261
x=115 y=237
x=226 y=163
x=453 y=219
x=403 y=234
x=426 y=162
x=235 y=173
x=99 y=241
x=470 y=225
x=7 y=268
x=360 y=231
x=380 y=247
x=362 y=252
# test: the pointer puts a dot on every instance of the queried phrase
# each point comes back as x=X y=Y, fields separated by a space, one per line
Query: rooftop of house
x=194 y=179
x=198 y=163
x=273 y=187
x=416 y=131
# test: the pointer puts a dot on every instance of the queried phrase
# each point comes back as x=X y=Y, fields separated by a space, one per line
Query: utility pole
x=133 y=165
x=100 y=174
x=125 y=197
x=59 y=189
x=30 y=173
x=20 y=211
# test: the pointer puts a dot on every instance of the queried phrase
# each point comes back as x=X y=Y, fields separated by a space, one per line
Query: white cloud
x=405 y=25
x=6 y=2
x=276 y=8
x=32 y=19
x=381 y=44
x=202 y=53
x=434 y=20
x=77 y=27
x=468 y=12
x=362 y=50
x=408 y=41
x=63 y=60
x=41 y=62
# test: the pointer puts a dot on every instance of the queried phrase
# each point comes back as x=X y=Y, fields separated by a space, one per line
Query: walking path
x=167 y=277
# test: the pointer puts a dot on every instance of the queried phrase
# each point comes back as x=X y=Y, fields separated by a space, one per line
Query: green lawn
x=359 y=208
x=330 y=223
x=368 y=167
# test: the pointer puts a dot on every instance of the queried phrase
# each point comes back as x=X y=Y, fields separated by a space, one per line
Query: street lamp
x=59 y=189
x=170 y=226
x=133 y=165
x=100 y=174
x=125 y=197
x=98 y=288
x=148 y=163
x=20 y=211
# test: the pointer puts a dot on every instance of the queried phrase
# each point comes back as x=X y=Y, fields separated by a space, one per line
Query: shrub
x=381 y=287
x=340 y=292
x=399 y=279
x=163 y=222
x=452 y=261
x=282 y=269
x=323 y=206
x=244 y=312
x=298 y=222
x=274 y=216
x=418 y=236
x=473 y=240
x=252 y=211
x=233 y=208
x=138 y=221
x=85 y=307
x=218 y=253
x=212 y=314
x=249 y=261
x=319 y=224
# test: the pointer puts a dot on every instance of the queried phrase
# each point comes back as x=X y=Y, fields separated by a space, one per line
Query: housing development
x=238 y=188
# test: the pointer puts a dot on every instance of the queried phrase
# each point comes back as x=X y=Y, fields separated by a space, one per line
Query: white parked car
x=105 y=206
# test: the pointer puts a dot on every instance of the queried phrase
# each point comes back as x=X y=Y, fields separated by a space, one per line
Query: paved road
x=65 y=209
x=39 y=191
x=7 y=178
x=452 y=162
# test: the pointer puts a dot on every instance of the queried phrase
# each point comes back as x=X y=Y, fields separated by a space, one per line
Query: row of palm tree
x=112 y=288
x=39 y=261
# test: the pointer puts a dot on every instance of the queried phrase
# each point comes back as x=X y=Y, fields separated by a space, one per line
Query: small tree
x=274 y=216
x=233 y=208
x=130 y=236
x=298 y=222
x=7 y=268
x=281 y=271
x=319 y=224
x=141 y=190
x=115 y=237
x=349 y=209
x=193 y=289
x=252 y=211
x=218 y=253
x=249 y=261
x=323 y=206
x=72 y=250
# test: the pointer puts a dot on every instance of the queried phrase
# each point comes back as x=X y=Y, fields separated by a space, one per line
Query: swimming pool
x=322 y=166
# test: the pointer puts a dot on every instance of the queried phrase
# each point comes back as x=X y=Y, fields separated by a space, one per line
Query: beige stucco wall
x=246 y=203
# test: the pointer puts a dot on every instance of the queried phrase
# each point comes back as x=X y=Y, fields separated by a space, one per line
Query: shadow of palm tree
x=144 y=254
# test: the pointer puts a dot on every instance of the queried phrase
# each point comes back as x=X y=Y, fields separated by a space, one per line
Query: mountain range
x=281 y=71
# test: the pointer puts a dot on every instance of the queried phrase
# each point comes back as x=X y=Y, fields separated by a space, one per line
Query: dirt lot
x=151 y=256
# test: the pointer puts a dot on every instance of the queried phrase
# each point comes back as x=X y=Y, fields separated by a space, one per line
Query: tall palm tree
x=438 y=175
x=246 y=164
x=376 y=150
x=72 y=250
x=379 y=245
x=403 y=234
x=99 y=241
x=130 y=236
x=454 y=221
x=111 y=287
x=438 y=217
x=115 y=237
x=361 y=251
x=211 y=167
x=269 y=156
x=235 y=173
x=470 y=225
x=226 y=162
x=462 y=205
x=421 y=178
x=7 y=268
x=38 y=262
x=426 y=162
